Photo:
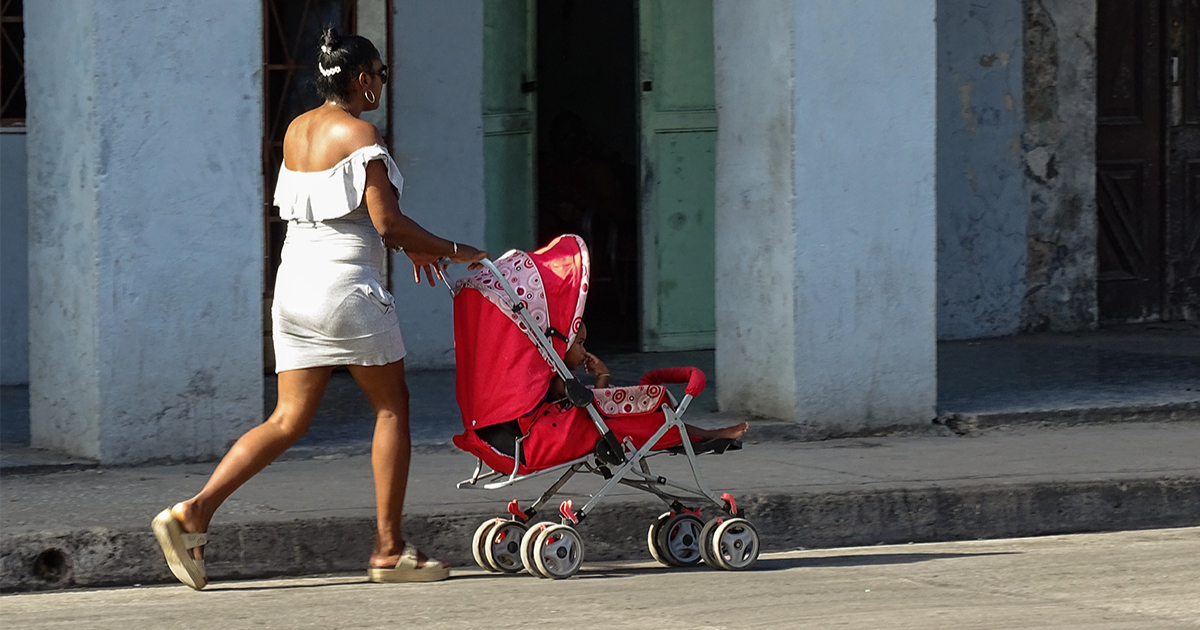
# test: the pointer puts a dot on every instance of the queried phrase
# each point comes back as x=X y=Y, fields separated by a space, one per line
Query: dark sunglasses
x=382 y=72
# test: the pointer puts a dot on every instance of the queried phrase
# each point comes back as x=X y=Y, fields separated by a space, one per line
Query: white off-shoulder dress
x=331 y=307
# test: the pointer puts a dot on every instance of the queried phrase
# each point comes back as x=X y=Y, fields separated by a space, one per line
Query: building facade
x=818 y=190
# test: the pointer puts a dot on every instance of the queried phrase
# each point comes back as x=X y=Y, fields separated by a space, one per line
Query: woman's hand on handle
x=427 y=263
x=466 y=254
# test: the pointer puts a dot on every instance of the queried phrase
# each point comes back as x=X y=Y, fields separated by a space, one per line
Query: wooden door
x=678 y=162
x=1129 y=160
x=509 y=124
x=1183 y=159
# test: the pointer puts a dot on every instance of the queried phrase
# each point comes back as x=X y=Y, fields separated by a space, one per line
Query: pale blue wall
x=827 y=265
x=14 y=268
x=981 y=242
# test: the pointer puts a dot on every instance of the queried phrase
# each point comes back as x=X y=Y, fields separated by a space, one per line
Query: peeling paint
x=1059 y=160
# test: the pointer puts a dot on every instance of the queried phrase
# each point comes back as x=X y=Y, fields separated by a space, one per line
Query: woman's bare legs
x=300 y=392
x=391 y=451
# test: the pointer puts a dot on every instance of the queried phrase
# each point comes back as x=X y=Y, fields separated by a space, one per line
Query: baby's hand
x=593 y=365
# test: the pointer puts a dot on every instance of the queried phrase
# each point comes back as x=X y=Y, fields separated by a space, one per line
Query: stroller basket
x=513 y=323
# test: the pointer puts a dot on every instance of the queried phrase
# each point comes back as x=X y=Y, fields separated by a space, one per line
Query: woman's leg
x=391 y=450
x=300 y=392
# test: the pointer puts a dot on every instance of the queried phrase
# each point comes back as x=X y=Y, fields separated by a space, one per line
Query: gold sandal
x=407 y=569
x=177 y=545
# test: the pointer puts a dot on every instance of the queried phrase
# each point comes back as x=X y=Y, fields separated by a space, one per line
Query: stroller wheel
x=735 y=544
x=558 y=552
x=679 y=540
x=479 y=542
x=652 y=539
x=502 y=548
x=706 y=542
x=527 y=548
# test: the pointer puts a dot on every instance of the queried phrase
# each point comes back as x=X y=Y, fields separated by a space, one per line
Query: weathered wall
x=866 y=218
x=755 y=207
x=438 y=115
x=146 y=228
x=14 y=267
x=981 y=244
x=854 y=307
x=1060 y=162
x=63 y=146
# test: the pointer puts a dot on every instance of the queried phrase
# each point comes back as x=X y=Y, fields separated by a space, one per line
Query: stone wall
x=1016 y=167
x=1060 y=163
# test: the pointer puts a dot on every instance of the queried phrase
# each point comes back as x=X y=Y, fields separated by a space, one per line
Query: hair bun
x=329 y=40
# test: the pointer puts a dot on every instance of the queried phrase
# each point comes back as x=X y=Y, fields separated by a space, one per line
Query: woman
x=339 y=190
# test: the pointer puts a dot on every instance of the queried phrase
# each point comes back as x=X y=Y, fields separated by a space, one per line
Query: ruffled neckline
x=340 y=163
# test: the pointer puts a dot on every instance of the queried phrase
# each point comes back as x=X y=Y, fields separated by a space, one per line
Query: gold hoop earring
x=370 y=97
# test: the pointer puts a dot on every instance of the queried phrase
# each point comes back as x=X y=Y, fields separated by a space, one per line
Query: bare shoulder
x=352 y=134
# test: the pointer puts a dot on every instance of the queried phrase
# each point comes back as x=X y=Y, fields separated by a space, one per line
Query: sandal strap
x=408 y=558
x=191 y=541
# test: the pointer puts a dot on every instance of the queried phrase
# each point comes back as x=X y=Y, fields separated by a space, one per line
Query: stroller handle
x=692 y=376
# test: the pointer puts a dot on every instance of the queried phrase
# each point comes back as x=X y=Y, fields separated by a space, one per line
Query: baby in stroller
x=578 y=355
x=519 y=338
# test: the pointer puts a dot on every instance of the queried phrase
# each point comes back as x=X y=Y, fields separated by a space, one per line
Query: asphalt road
x=1136 y=580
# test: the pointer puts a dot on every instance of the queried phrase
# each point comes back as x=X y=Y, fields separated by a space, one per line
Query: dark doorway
x=1129 y=153
x=588 y=150
x=1148 y=160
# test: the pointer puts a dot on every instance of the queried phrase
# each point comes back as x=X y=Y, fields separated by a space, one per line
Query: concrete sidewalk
x=1008 y=455
x=301 y=517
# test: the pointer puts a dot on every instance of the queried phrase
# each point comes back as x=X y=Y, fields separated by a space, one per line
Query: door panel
x=509 y=142
x=1129 y=153
x=1183 y=159
x=678 y=123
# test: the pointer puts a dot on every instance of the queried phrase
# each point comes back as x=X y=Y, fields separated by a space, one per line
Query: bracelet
x=455 y=243
x=603 y=375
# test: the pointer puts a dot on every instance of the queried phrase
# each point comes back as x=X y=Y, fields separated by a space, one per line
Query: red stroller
x=513 y=323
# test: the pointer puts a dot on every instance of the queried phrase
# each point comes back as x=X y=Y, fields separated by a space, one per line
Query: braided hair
x=339 y=62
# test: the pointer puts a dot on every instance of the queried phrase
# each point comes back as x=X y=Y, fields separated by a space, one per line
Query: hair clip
x=328 y=72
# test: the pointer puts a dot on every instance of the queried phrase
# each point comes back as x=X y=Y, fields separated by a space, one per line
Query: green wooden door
x=679 y=137
x=509 y=124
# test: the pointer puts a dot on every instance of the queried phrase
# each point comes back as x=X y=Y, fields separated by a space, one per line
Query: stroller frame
x=620 y=463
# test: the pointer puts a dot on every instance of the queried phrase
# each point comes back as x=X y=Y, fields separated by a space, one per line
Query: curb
x=976 y=423
x=103 y=557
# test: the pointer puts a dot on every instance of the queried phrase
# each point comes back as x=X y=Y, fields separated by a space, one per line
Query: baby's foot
x=732 y=433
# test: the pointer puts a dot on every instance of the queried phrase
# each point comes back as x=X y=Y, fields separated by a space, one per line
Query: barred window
x=12 y=64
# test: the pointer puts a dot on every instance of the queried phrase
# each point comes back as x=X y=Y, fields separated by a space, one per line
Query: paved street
x=1136 y=580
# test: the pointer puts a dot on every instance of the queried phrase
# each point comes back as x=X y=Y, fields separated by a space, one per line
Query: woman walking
x=339 y=190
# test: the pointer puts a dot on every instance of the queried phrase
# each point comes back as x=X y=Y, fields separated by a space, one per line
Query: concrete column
x=826 y=219
x=145 y=201
x=438 y=115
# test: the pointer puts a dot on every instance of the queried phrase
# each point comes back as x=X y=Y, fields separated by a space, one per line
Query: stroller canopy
x=501 y=373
